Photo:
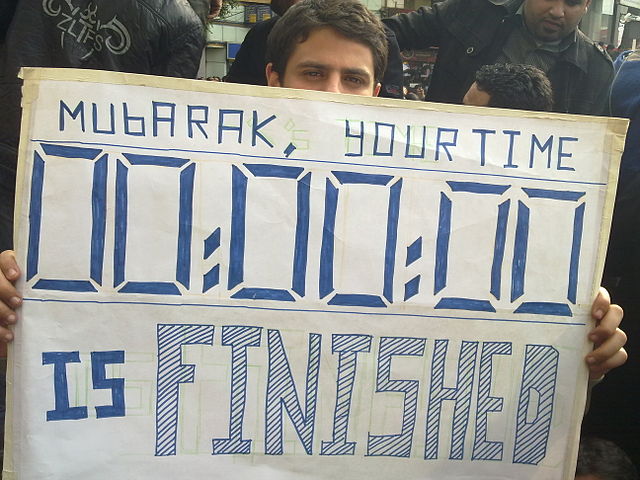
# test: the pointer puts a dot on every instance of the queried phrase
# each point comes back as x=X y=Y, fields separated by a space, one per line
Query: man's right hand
x=9 y=297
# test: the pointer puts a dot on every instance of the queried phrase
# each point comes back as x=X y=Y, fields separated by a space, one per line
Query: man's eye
x=312 y=73
x=355 y=80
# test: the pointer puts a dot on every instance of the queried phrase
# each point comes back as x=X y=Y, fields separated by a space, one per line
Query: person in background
x=542 y=33
x=415 y=93
x=622 y=268
x=600 y=459
x=504 y=85
x=419 y=91
x=621 y=389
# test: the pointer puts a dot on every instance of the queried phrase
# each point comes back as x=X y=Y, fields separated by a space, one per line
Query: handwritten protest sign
x=236 y=282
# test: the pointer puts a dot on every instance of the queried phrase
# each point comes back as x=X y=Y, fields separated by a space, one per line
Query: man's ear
x=376 y=89
x=273 y=78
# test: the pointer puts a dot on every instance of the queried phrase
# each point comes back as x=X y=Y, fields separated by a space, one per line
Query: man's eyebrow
x=356 y=71
x=311 y=64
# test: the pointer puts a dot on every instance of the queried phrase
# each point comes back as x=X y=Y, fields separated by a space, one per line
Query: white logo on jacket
x=86 y=28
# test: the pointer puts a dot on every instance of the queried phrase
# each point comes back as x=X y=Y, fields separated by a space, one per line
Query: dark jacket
x=7 y=9
x=250 y=63
x=158 y=37
x=471 y=33
x=623 y=260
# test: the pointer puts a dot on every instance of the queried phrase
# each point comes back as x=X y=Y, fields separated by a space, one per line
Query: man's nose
x=333 y=83
x=557 y=9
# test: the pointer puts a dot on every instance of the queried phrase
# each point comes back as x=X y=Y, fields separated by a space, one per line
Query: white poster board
x=236 y=282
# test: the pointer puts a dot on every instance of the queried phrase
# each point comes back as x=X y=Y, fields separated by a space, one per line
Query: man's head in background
x=552 y=20
x=328 y=45
x=600 y=459
x=521 y=87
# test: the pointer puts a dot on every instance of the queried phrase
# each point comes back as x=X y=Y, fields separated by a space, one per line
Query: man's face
x=477 y=97
x=329 y=62
x=551 y=20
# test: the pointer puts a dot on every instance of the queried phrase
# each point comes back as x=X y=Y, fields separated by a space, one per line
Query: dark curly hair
x=521 y=87
x=604 y=459
x=349 y=18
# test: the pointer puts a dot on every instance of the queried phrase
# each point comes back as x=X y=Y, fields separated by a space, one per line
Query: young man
x=542 y=33
x=249 y=66
x=504 y=85
x=329 y=45
x=338 y=46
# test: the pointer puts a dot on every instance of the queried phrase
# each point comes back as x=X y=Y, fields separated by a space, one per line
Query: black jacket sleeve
x=184 y=60
x=7 y=9
x=601 y=102
x=393 y=80
x=249 y=65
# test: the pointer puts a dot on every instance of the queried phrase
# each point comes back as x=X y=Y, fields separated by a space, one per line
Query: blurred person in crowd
x=415 y=93
x=623 y=263
x=542 y=33
x=157 y=37
x=600 y=459
x=622 y=272
x=419 y=91
x=250 y=62
x=516 y=86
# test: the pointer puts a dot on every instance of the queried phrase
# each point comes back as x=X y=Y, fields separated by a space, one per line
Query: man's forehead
x=333 y=41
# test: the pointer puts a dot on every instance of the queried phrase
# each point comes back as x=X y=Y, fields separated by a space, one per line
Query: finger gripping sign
x=242 y=282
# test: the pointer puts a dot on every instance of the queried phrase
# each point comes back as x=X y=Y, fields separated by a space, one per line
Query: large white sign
x=238 y=282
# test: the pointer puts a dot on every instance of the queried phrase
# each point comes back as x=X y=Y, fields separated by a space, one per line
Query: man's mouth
x=551 y=25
